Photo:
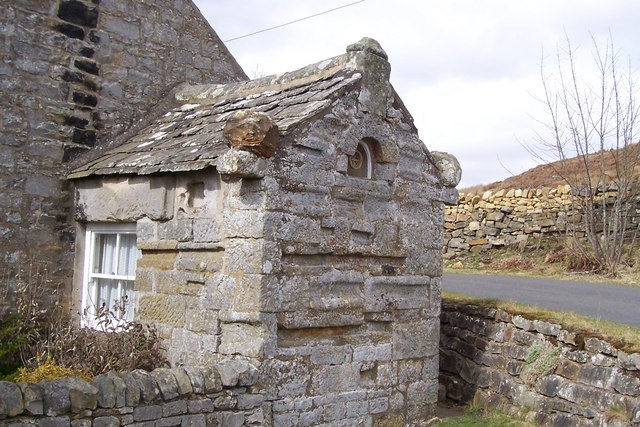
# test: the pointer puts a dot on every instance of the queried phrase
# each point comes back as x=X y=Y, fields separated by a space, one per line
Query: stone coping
x=70 y=396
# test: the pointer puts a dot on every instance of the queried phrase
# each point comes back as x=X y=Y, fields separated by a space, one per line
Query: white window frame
x=89 y=289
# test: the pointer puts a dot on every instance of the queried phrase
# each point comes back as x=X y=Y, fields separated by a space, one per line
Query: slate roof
x=189 y=136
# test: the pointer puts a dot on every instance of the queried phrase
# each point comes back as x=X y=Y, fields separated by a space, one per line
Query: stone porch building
x=293 y=221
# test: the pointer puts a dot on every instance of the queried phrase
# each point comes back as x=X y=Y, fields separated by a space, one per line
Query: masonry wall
x=220 y=395
x=353 y=283
x=514 y=217
x=179 y=278
x=540 y=369
x=74 y=74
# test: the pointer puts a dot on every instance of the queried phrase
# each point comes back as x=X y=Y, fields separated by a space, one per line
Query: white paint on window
x=110 y=258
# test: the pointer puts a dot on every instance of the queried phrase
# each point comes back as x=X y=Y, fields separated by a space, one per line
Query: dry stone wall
x=560 y=377
x=513 y=217
x=74 y=74
x=221 y=395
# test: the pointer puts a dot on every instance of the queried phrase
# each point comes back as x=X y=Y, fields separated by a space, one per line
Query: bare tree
x=592 y=118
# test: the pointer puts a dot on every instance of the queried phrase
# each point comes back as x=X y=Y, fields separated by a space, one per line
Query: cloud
x=468 y=70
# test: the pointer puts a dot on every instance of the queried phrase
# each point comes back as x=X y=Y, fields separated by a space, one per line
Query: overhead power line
x=293 y=22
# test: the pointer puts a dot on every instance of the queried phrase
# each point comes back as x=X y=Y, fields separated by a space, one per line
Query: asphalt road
x=600 y=301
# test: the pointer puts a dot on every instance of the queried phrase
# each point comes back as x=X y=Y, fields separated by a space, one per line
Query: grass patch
x=481 y=418
x=623 y=337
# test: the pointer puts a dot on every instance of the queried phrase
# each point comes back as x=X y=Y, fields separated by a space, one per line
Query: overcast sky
x=467 y=70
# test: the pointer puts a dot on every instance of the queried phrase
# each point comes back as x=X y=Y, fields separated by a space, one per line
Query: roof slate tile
x=190 y=135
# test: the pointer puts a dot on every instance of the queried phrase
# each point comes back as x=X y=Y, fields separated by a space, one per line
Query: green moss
x=541 y=360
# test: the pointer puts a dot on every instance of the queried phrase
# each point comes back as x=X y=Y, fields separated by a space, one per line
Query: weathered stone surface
x=108 y=421
x=243 y=339
x=171 y=409
x=106 y=396
x=213 y=380
x=626 y=384
x=120 y=388
x=552 y=329
x=200 y=406
x=196 y=379
x=240 y=163
x=597 y=376
x=512 y=217
x=248 y=374
x=148 y=387
x=32 y=398
x=549 y=385
x=630 y=361
x=62 y=421
x=415 y=340
x=522 y=323
x=166 y=383
x=55 y=398
x=183 y=381
x=132 y=391
x=82 y=395
x=147 y=413
x=11 y=403
x=449 y=168
x=596 y=345
x=568 y=369
x=252 y=131
x=581 y=384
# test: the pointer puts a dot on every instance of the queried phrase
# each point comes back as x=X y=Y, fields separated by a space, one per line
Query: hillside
x=551 y=174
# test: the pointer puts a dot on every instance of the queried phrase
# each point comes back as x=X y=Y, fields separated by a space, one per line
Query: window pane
x=128 y=255
x=104 y=256
x=114 y=297
x=107 y=298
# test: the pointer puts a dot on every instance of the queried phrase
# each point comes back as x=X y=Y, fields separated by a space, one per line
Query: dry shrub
x=557 y=256
x=517 y=262
x=43 y=337
x=575 y=258
x=135 y=346
x=583 y=263
x=22 y=327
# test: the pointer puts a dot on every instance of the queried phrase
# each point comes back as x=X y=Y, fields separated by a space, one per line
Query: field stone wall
x=221 y=395
x=74 y=74
x=538 y=368
x=513 y=217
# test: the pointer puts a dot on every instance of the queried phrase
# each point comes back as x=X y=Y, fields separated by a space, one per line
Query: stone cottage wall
x=354 y=275
x=221 y=395
x=74 y=74
x=180 y=232
x=513 y=217
x=538 y=368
